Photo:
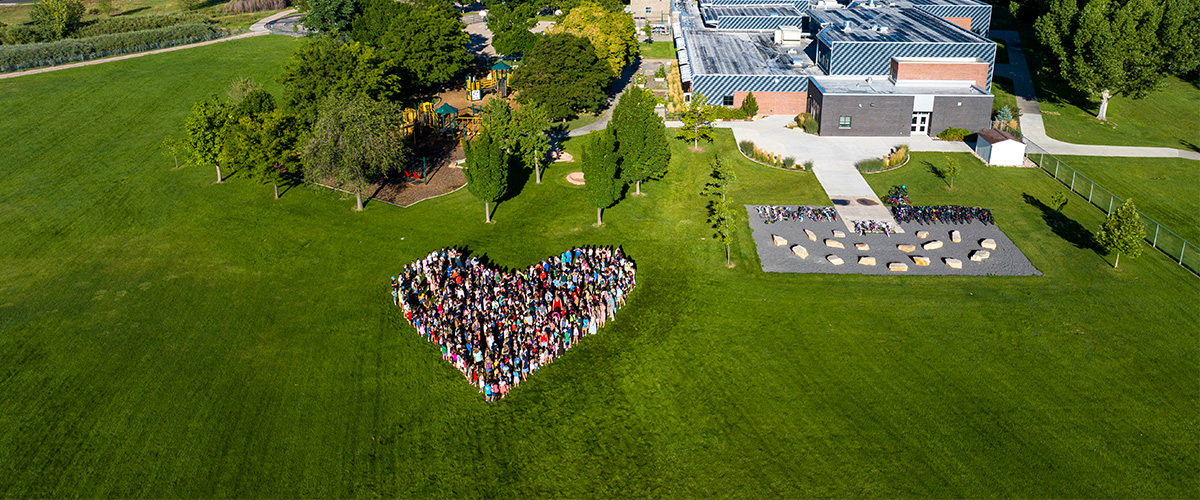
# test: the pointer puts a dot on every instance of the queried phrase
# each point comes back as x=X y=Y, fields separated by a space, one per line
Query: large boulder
x=932 y=245
x=954 y=263
x=866 y=260
x=811 y=235
x=898 y=267
x=778 y=240
x=800 y=251
x=839 y=233
x=831 y=243
x=920 y=261
x=980 y=255
x=862 y=247
x=956 y=236
x=907 y=248
x=988 y=243
x=835 y=260
x=922 y=234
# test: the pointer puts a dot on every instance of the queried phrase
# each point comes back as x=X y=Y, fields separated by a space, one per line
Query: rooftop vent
x=848 y=28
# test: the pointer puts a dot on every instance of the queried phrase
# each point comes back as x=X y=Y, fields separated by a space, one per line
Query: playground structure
x=446 y=121
x=496 y=80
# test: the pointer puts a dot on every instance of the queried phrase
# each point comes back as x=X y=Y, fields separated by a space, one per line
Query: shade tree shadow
x=1065 y=227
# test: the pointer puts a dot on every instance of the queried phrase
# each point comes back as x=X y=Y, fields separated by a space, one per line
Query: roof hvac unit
x=789 y=35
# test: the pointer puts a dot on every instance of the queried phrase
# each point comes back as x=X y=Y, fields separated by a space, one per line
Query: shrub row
x=953 y=134
x=244 y=6
x=13 y=57
x=123 y=24
x=806 y=122
x=724 y=113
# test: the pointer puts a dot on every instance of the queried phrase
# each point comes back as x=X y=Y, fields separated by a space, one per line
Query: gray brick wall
x=870 y=115
x=974 y=114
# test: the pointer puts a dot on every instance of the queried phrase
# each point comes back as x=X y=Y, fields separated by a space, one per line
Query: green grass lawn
x=1168 y=117
x=163 y=336
x=657 y=50
x=1165 y=189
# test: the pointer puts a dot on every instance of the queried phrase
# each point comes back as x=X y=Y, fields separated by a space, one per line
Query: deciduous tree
x=324 y=66
x=264 y=145
x=562 y=74
x=205 y=132
x=697 y=121
x=533 y=127
x=601 y=172
x=330 y=17
x=429 y=42
x=1122 y=232
x=510 y=27
x=54 y=17
x=1058 y=201
x=720 y=213
x=486 y=170
x=641 y=138
x=354 y=142
x=1105 y=48
x=612 y=34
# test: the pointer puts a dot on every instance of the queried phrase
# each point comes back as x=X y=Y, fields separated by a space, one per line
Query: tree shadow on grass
x=933 y=169
x=1065 y=227
x=1190 y=145
x=518 y=176
x=131 y=11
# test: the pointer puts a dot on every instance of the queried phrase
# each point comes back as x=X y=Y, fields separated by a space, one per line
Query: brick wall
x=961 y=22
x=910 y=70
x=776 y=103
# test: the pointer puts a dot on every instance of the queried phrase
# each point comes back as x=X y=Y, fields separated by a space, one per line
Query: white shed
x=998 y=147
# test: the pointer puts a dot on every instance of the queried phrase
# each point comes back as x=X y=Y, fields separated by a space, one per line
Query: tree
x=240 y=87
x=265 y=145
x=720 y=213
x=601 y=172
x=641 y=138
x=497 y=117
x=486 y=170
x=697 y=121
x=951 y=170
x=256 y=102
x=562 y=74
x=205 y=132
x=612 y=34
x=54 y=17
x=1058 y=201
x=1177 y=36
x=429 y=42
x=510 y=27
x=171 y=147
x=1105 y=48
x=750 y=105
x=533 y=126
x=324 y=66
x=104 y=6
x=376 y=18
x=354 y=142
x=328 y=16
x=1123 y=232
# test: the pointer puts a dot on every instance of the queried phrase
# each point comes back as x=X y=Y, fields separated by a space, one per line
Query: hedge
x=111 y=25
x=17 y=57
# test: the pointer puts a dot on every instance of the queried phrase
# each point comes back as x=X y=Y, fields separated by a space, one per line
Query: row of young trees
x=1109 y=48
x=633 y=149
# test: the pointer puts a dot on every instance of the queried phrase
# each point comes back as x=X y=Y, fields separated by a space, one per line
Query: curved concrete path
x=1034 y=128
x=256 y=29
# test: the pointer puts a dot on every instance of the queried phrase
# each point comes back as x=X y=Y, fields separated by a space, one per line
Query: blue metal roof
x=902 y=26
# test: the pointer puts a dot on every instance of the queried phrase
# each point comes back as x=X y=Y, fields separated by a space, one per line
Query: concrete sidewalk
x=1034 y=128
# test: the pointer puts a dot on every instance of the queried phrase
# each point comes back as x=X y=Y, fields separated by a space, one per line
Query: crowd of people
x=771 y=213
x=948 y=214
x=498 y=327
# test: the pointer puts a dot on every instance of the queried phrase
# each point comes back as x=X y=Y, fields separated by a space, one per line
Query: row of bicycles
x=897 y=196
x=771 y=213
x=951 y=214
x=872 y=226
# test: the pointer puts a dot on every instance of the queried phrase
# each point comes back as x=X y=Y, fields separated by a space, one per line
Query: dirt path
x=256 y=29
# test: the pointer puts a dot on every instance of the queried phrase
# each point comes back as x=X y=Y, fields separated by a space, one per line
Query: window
x=843 y=122
x=728 y=100
x=648 y=9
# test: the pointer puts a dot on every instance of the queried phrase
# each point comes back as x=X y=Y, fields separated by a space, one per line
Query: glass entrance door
x=920 y=123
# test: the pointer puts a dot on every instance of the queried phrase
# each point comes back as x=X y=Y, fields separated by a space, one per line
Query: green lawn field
x=657 y=50
x=164 y=336
x=1165 y=189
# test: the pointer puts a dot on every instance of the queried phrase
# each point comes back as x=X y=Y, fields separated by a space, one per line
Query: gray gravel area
x=1005 y=260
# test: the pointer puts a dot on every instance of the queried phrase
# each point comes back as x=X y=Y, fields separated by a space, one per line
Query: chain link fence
x=1158 y=236
x=76 y=58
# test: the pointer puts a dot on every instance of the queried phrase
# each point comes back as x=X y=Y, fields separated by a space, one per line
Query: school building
x=865 y=68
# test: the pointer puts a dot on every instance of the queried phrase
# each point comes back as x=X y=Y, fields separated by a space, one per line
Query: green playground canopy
x=501 y=66
x=446 y=109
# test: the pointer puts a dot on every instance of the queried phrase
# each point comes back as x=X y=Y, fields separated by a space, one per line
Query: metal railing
x=1158 y=236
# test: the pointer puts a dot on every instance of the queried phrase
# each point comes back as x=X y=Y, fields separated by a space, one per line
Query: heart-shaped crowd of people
x=499 y=327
